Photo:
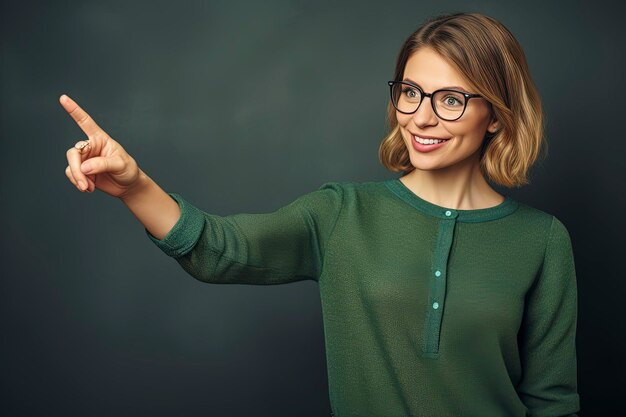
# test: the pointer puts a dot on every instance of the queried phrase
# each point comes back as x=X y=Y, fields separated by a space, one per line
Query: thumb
x=99 y=164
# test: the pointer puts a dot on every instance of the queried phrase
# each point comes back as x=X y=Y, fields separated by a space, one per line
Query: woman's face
x=463 y=137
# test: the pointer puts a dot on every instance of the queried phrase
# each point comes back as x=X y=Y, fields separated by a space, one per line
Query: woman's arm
x=548 y=333
x=152 y=206
x=266 y=248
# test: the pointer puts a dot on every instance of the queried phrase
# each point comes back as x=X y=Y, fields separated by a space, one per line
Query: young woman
x=440 y=296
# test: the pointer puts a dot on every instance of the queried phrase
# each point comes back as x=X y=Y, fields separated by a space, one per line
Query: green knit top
x=427 y=310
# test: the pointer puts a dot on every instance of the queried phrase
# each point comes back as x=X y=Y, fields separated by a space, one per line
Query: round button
x=435 y=305
x=437 y=273
x=448 y=213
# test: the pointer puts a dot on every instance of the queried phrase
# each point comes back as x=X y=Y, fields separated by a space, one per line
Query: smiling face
x=463 y=137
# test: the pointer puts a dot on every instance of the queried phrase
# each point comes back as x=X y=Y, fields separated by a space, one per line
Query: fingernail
x=81 y=185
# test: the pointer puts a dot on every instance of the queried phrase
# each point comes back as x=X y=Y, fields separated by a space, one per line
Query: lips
x=428 y=137
x=427 y=147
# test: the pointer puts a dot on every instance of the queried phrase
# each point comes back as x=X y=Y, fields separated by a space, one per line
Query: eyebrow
x=442 y=88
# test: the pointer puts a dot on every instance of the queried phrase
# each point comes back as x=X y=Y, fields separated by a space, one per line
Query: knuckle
x=68 y=174
x=125 y=161
x=75 y=169
x=83 y=119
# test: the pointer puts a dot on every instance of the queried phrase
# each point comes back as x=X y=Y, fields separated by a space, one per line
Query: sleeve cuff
x=185 y=233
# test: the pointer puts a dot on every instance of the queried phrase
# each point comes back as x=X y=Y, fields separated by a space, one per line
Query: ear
x=494 y=126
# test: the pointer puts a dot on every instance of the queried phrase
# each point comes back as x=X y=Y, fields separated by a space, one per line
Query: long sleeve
x=283 y=246
x=547 y=335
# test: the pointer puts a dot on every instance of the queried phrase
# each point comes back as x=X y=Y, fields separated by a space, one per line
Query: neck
x=461 y=186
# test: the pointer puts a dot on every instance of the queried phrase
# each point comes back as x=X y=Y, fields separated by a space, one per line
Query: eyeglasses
x=448 y=105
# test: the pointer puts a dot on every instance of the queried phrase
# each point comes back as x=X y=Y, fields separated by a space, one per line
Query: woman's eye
x=411 y=93
x=451 y=101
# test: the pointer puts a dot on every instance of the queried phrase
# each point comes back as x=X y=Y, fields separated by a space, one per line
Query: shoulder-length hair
x=493 y=64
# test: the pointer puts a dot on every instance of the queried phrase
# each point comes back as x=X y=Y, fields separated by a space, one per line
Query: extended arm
x=266 y=248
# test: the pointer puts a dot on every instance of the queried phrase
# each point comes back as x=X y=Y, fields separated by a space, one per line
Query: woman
x=440 y=296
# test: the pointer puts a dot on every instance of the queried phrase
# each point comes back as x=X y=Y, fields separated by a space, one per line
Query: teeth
x=427 y=141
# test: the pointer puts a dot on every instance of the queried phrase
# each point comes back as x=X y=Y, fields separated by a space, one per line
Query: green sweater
x=427 y=310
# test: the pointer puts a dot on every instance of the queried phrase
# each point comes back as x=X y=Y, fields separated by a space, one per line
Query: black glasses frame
x=432 y=103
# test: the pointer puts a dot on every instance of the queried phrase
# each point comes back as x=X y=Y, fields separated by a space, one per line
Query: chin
x=424 y=165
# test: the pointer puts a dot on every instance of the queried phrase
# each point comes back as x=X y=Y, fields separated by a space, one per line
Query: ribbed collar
x=503 y=209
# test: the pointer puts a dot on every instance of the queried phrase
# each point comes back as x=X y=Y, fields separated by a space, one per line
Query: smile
x=428 y=141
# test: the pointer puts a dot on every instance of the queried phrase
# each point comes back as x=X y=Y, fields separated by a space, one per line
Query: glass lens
x=449 y=104
x=405 y=97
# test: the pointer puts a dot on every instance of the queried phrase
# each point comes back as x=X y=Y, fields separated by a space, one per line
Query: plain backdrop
x=243 y=107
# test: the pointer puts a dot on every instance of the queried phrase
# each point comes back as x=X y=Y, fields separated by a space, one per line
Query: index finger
x=84 y=121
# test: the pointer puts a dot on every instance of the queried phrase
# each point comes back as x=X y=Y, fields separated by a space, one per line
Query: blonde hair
x=493 y=63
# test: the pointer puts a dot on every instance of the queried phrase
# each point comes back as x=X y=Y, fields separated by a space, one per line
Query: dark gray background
x=98 y=321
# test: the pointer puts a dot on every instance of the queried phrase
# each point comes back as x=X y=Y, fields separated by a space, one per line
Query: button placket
x=438 y=283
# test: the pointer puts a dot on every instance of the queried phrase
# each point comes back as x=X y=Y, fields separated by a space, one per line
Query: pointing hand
x=103 y=163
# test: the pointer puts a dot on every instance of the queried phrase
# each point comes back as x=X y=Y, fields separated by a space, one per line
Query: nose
x=425 y=115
